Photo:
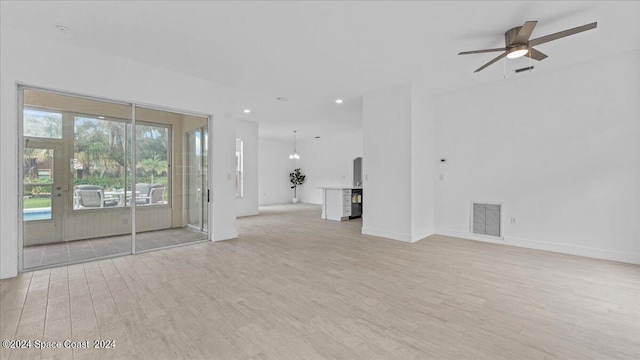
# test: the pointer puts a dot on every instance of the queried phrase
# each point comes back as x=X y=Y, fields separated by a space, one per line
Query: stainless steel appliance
x=356 y=203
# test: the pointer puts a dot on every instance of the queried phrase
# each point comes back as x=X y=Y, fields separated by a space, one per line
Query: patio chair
x=92 y=196
x=148 y=194
x=155 y=194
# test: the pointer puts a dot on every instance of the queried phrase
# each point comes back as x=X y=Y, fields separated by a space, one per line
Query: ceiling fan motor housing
x=510 y=37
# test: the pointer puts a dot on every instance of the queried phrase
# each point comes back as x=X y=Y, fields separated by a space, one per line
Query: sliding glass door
x=196 y=179
x=92 y=173
x=73 y=162
x=163 y=194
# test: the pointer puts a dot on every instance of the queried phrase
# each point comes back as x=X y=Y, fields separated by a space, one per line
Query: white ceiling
x=315 y=52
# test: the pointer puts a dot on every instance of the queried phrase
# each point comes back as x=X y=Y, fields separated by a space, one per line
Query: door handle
x=58 y=195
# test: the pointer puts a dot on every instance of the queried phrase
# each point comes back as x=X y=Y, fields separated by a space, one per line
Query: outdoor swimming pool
x=36 y=214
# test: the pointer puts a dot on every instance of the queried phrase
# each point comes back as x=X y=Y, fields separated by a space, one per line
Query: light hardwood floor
x=295 y=286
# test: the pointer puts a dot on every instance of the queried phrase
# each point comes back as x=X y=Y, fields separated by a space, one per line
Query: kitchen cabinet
x=339 y=203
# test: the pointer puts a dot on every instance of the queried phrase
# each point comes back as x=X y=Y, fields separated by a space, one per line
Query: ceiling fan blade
x=535 y=54
x=525 y=33
x=491 y=62
x=481 y=51
x=561 y=34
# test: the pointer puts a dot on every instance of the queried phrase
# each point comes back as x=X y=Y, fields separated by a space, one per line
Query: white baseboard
x=387 y=234
x=288 y=203
x=547 y=246
x=418 y=237
x=13 y=272
x=247 y=213
x=225 y=236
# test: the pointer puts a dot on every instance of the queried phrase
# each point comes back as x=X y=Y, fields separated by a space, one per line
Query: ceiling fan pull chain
x=504 y=69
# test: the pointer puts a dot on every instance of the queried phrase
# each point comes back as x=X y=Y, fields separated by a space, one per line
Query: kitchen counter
x=341 y=203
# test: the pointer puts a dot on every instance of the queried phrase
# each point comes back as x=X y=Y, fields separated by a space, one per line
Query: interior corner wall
x=110 y=77
x=387 y=163
x=274 y=168
x=247 y=131
x=559 y=149
x=327 y=161
x=423 y=162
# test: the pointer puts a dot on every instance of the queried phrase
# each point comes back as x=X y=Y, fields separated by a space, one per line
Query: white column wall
x=387 y=163
x=423 y=162
x=247 y=131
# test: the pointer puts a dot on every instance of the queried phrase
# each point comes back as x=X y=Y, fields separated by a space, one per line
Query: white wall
x=423 y=162
x=560 y=149
x=327 y=161
x=73 y=69
x=275 y=166
x=247 y=131
x=386 y=119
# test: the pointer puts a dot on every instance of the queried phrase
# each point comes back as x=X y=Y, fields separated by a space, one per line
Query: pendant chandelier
x=294 y=155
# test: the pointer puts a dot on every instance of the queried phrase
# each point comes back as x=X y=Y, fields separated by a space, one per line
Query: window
x=152 y=164
x=42 y=124
x=239 y=169
x=98 y=162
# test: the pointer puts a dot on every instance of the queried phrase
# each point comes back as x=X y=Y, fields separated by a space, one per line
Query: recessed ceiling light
x=62 y=28
x=100 y=117
x=339 y=101
x=246 y=111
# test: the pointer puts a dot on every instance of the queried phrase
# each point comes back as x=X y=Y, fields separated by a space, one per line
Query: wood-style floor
x=294 y=286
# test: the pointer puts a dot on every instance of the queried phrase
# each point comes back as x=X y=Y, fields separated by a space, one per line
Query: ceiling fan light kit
x=517 y=51
x=517 y=43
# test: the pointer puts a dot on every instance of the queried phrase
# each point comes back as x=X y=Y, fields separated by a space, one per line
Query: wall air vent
x=486 y=219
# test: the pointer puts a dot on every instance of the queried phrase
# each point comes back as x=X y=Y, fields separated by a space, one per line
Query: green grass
x=38 y=202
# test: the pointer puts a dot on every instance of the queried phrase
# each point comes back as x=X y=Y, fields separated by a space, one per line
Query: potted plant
x=296 y=179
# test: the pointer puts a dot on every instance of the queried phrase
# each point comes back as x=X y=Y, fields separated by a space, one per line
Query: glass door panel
x=42 y=191
x=205 y=179
x=163 y=180
x=74 y=163
x=197 y=192
x=193 y=180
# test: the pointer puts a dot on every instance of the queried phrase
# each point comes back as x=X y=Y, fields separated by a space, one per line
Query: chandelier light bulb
x=294 y=155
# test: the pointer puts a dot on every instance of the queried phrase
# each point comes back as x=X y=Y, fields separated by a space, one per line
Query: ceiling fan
x=517 y=43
